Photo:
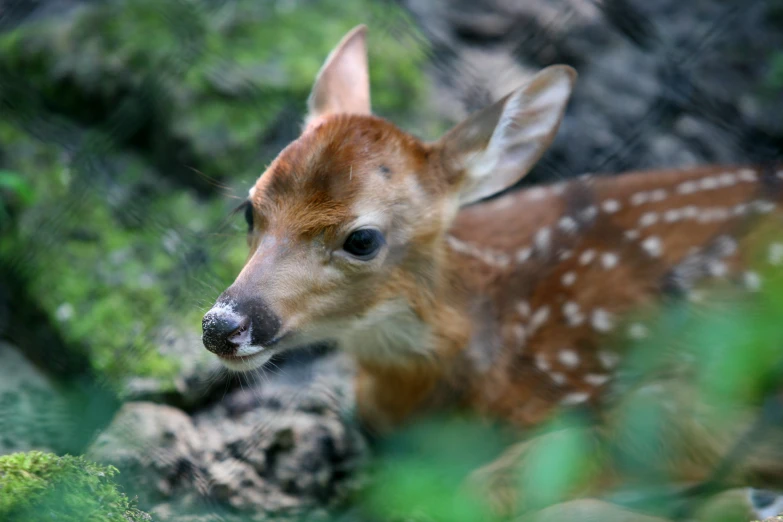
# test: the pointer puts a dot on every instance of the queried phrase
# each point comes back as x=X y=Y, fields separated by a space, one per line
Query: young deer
x=364 y=235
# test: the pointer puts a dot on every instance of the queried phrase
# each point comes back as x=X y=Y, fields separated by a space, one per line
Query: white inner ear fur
x=527 y=125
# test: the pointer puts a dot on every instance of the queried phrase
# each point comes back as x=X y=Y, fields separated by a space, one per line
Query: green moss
x=114 y=256
x=42 y=486
x=210 y=87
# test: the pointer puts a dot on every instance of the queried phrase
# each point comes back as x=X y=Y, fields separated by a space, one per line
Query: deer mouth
x=249 y=357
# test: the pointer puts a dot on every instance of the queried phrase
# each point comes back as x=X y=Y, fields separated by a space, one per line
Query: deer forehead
x=347 y=171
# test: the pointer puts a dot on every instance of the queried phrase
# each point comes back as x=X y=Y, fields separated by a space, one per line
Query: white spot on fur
x=775 y=253
x=542 y=363
x=557 y=377
x=751 y=280
x=686 y=187
x=631 y=234
x=572 y=313
x=747 y=175
x=610 y=206
x=567 y=224
x=568 y=278
x=708 y=183
x=637 y=331
x=763 y=206
x=690 y=212
x=727 y=179
x=539 y=318
x=609 y=260
x=536 y=193
x=490 y=257
x=601 y=320
x=523 y=308
x=608 y=360
x=586 y=257
x=653 y=246
x=596 y=379
x=519 y=332
x=648 y=219
x=639 y=198
x=696 y=296
x=565 y=254
x=523 y=254
x=575 y=398
x=543 y=239
x=658 y=195
x=672 y=215
x=726 y=245
x=568 y=358
x=570 y=308
x=589 y=213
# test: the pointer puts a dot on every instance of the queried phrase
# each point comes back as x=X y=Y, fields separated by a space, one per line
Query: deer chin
x=246 y=363
x=248 y=357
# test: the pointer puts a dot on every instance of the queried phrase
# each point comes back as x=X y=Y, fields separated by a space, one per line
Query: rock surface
x=661 y=84
x=30 y=418
x=282 y=449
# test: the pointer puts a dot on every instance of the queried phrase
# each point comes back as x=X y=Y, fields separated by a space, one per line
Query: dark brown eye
x=249 y=217
x=364 y=244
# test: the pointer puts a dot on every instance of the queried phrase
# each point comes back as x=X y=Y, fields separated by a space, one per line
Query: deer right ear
x=496 y=146
x=343 y=83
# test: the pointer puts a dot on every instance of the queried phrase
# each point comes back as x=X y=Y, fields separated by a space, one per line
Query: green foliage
x=14 y=190
x=420 y=472
x=775 y=74
x=110 y=266
x=39 y=486
x=213 y=85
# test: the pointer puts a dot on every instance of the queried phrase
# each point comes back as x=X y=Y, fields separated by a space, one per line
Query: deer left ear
x=496 y=146
x=343 y=83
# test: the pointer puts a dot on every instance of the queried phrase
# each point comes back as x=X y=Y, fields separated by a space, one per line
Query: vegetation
x=39 y=486
x=123 y=122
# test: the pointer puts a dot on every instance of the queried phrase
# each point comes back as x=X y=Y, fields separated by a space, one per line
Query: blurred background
x=130 y=130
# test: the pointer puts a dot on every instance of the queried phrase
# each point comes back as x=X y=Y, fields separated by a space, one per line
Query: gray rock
x=661 y=84
x=282 y=449
x=32 y=414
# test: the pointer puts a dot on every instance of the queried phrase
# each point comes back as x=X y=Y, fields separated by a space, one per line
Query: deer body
x=364 y=235
x=544 y=277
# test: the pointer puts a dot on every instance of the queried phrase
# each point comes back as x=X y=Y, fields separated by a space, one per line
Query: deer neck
x=411 y=359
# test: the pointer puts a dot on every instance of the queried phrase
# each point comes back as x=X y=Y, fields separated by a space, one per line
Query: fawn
x=364 y=235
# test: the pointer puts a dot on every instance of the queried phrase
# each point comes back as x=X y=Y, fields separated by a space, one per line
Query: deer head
x=347 y=225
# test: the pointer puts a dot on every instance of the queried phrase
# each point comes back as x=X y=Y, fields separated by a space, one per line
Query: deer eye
x=249 y=216
x=364 y=243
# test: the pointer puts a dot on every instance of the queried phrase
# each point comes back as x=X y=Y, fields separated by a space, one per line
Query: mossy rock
x=42 y=486
x=216 y=86
x=116 y=255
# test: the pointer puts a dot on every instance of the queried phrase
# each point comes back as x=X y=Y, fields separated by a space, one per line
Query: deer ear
x=496 y=146
x=343 y=83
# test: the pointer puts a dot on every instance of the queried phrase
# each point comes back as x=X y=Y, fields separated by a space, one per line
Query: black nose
x=223 y=331
x=244 y=322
